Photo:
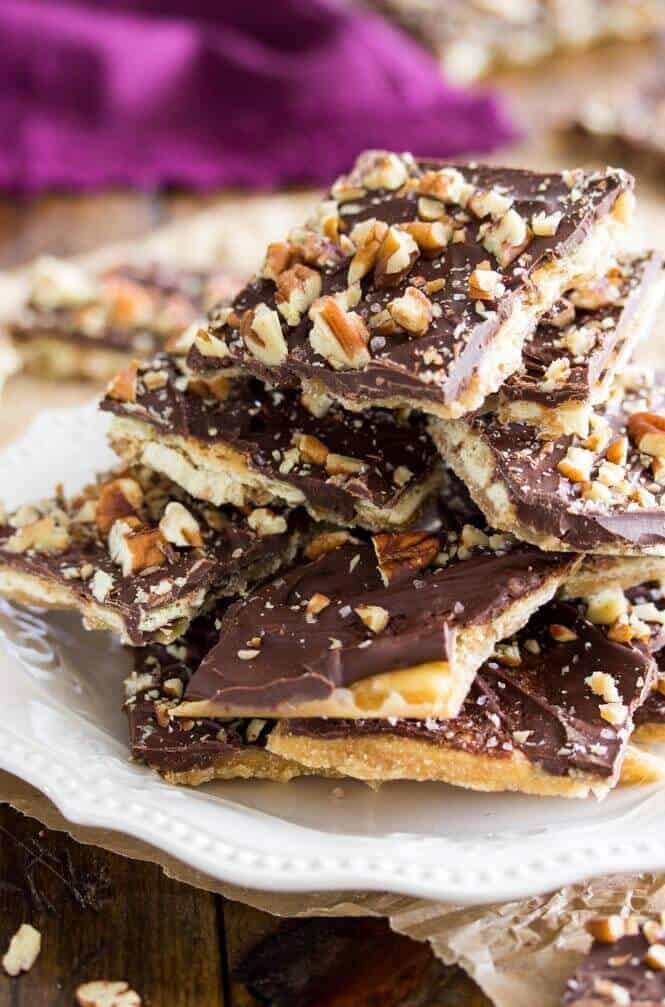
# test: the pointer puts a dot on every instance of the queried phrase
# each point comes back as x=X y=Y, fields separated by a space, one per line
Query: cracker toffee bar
x=243 y=443
x=193 y=751
x=550 y=714
x=393 y=627
x=579 y=347
x=600 y=494
x=416 y=283
x=544 y=716
x=134 y=554
x=472 y=37
x=79 y=324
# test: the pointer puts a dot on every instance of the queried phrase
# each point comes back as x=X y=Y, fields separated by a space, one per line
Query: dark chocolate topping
x=169 y=744
x=550 y=503
x=265 y=425
x=543 y=708
x=231 y=554
x=622 y=963
x=439 y=364
x=301 y=657
x=603 y=330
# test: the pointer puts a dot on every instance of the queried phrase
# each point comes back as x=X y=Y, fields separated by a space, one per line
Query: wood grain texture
x=103 y=917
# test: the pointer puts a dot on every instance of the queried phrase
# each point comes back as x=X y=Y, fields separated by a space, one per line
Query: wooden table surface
x=103 y=916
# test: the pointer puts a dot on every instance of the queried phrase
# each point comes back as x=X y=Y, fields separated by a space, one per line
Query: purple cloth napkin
x=257 y=93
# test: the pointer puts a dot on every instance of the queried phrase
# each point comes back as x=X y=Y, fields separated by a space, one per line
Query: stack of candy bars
x=396 y=511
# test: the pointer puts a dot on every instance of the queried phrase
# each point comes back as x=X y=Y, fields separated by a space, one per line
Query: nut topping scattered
x=325 y=542
x=179 y=527
x=123 y=387
x=396 y=255
x=485 y=284
x=413 y=311
x=297 y=289
x=374 y=617
x=317 y=603
x=507 y=238
x=262 y=333
x=312 y=449
x=339 y=336
x=266 y=522
x=562 y=634
x=647 y=432
x=343 y=465
x=23 y=950
x=607 y=929
x=577 y=464
x=102 y=993
x=135 y=547
x=607 y=606
x=117 y=498
x=399 y=556
x=430 y=237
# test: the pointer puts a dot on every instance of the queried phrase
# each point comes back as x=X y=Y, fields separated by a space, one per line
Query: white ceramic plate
x=62 y=730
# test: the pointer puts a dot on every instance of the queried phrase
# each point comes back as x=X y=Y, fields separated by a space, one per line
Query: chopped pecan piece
x=387 y=172
x=446 y=185
x=23 y=950
x=413 y=311
x=607 y=929
x=339 y=336
x=326 y=542
x=343 y=465
x=102 y=993
x=506 y=238
x=179 y=526
x=117 y=498
x=577 y=464
x=265 y=522
x=297 y=289
x=562 y=634
x=123 y=386
x=400 y=555
x=46 y=535
x=395 y=257
x=312 y=449
x=430 y=237
x=135 y=547
x=647 y=432
x=262 y=334
x=375 y=617
x=485 y=284
x=279 y=257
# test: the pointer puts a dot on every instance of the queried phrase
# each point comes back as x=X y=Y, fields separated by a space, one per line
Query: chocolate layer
x=161 y=675
x=69 y=548
x=550 y=493
x=272 y=650
x=266 y=426
x=441 y=362
x=127 y=309
x=582 y=336
x=617 y=972
x=538 y=701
